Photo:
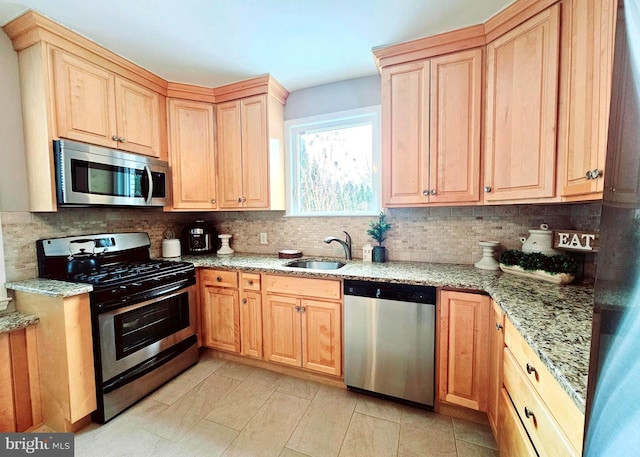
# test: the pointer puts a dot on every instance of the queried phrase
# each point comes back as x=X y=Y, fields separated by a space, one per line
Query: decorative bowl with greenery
x=559 y=269
x=377 y=230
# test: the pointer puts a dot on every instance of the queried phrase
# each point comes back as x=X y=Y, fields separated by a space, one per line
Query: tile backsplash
x=443 y=235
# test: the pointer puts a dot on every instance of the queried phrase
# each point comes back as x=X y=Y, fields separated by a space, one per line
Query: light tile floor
x=222 y=408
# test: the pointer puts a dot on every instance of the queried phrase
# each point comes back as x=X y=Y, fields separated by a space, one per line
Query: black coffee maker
x=199 y=237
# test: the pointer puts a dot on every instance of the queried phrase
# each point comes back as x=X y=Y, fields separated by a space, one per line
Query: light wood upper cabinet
x=431 y=130
x=250 y=147
x=521 y=110
x=138 y=118
x=622 y=180
x=456 y=106
x=192 y=154
x=588 y=28
x=85 y=100
x=463 y=347
x=96 y=106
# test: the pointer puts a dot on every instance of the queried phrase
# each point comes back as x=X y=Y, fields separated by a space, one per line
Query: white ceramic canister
x=171 y=248
x=540 y=241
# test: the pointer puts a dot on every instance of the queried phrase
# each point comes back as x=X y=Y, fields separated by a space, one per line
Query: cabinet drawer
x=558 y=402
x=219 y=278
x=545 y=433
x=250 y=281
x=306 y=287
x=513 y=439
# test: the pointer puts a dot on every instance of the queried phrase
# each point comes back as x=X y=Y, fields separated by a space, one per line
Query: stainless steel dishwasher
x=389 y=339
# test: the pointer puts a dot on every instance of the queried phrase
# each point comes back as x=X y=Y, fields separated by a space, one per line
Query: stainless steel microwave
x=93 y=175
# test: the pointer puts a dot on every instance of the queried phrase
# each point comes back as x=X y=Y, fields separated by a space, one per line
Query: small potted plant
x=377 y=230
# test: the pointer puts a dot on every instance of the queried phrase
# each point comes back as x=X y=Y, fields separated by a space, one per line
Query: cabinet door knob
x=297 y=308
x=433 y=192
x=250 y=282
x=595 y=173
x=121 y=139
x=244 y=301
x=244 y=199
x=530 y=368
x=303 y=309
x=588 y=175
x=425 y=192
x=487 y=189
x=213 y=201
x=498 y=326
x=114 y=137
x=219 y=279
x=528 y=413
x=239 y=199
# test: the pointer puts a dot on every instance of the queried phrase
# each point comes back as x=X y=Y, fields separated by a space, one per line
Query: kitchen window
x=334 y=164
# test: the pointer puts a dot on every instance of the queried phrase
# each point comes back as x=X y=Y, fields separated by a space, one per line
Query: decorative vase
x=379 y=254
x=225 y=249
x=488 y=262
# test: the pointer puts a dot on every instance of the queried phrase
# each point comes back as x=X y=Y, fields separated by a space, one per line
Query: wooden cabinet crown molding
x=465 y=38
x=425 y=48
x=259 y=85
x=32 y=27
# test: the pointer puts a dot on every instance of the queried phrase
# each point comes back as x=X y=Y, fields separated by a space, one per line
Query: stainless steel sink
x=316 y=264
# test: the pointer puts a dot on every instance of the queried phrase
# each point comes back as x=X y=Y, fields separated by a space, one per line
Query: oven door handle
x=147 y=170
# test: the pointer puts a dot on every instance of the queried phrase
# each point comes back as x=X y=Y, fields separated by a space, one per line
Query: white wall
x=333 y=97
x=13 y=174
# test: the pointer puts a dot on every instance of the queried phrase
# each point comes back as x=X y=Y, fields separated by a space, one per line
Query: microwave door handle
x=150 y=178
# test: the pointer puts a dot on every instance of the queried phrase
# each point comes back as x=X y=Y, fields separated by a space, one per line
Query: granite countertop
x=15 y=320
x=555 y=320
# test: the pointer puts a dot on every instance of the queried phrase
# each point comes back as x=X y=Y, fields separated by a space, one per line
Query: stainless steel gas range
x=143 y=312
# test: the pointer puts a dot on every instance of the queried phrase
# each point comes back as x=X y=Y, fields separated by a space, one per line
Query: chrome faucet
x=345 y=244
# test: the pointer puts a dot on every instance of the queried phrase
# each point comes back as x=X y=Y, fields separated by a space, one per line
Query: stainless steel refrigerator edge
x=389 y=337
x=613 y=397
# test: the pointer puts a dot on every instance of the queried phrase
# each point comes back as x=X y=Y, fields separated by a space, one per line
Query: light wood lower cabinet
x=496 y=343
x=549 y=415
x=231 y=308
x=220 y=309
x=513 y=439
x=250 y=315
x=19 y=381
x=65 y=358
x=302 y=320
x=463 y=348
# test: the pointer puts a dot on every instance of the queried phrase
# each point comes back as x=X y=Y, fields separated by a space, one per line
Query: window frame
x=337 y=119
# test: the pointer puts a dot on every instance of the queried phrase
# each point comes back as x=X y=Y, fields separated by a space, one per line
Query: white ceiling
x=302 y=43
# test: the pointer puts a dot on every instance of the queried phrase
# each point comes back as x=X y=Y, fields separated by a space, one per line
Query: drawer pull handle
x=530 y=368
x=498 y=326
x=219 y=279
x=251 y=282
x=528 y=413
